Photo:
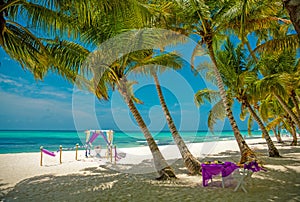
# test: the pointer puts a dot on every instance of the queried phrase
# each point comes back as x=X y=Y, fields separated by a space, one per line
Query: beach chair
x=244 y=174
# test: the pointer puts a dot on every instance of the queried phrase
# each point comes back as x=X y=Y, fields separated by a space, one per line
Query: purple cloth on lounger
x=208 y=170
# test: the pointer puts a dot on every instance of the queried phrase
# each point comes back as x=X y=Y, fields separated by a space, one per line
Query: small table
x=210 y=170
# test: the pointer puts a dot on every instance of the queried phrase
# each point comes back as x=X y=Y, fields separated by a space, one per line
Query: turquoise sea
x=30 y=141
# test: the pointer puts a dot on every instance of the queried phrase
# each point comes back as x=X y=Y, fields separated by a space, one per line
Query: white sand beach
x=132 y=178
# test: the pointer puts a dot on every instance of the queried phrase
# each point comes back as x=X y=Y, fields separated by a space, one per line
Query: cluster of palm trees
x=59 y=36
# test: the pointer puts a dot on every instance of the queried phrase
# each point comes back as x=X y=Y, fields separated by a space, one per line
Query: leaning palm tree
x=238 y=79
x=271 y=109
x=115 y=76
x=280 y=73
x=206 y=19
x=162 y=63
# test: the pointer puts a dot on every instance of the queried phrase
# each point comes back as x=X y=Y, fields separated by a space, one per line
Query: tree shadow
x=104 y=184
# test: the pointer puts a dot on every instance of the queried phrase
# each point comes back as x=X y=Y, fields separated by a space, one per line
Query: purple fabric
x=208 y=170
x=94 y=136
x=253 y=166
x=229 y=167
x=48 y=152
x=225 y=169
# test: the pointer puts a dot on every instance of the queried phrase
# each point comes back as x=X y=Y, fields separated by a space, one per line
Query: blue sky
x=55 y=104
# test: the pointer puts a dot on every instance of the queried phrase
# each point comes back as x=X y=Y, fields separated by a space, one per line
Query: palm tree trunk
x=161 y=165
x=277 y=135
x=294 y=100
x=251 y=51
x=273 y=152
x=287 y=109
x=292 y=131
x=191 y=163
x=246 y=153
x=293 y=8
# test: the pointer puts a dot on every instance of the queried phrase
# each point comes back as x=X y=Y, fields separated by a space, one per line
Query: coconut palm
x=117 y=73
x=281 y=80
x=238 y=79
x=160 y=64
x=206 y=21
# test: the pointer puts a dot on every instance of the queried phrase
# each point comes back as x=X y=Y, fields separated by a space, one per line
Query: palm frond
x=289 y=42
x=216 y=113
x=206 y=95
x=31 y=55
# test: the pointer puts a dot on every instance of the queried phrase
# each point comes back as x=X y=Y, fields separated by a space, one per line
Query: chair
x=246 y=173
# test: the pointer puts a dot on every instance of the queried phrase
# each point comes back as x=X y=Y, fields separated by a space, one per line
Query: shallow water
x=30 y=141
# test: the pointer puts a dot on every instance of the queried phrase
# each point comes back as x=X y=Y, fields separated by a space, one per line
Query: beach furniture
x=211 y=169
x=216 y=168
x=245 y=173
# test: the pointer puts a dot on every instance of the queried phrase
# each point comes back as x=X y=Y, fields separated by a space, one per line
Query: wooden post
x=111 y=153
x=41 y=161
x=115 y=148
x=76 y=155
x=60 y=154
x=107 y=153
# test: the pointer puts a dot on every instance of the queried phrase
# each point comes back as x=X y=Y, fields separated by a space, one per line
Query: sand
x=132 y=177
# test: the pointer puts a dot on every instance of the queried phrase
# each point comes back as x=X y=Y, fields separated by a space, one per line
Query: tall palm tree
x=238 y=79
x=206 y=22
x=191 y=163
x=116 y=75
x=160 y=64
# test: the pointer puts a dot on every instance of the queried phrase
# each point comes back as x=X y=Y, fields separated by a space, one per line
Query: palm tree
x=192 y=164
x=281 y=80
x=238 y=79
x=115 y=76
x=206 y=22
x=160 y=64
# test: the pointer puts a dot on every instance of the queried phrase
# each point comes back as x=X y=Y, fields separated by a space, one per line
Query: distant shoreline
x=129 y=131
